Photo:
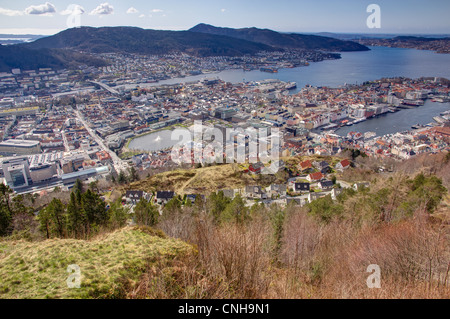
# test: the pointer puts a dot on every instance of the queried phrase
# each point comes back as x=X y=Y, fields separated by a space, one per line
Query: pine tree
x=145 y=213
x=53 y=219
x=5 y=209
x=75 y=216
x=118 y=214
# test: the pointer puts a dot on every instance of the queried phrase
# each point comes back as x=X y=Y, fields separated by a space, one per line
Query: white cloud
x=41 y=9
x=142 y=16
x=103 y=9
x=157 y=10
x=11 y=13
x=132 y=10
x=73 y=9
x=223 y=10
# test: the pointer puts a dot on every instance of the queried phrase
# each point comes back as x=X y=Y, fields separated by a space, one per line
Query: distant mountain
x=282 y=40
x=16 y=56
x=419 y=39
x=18 y=38
x=64 y=50
x=352 y=36
x=155 y=42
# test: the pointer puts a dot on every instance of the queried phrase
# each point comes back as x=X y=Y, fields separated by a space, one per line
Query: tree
x=5 y=209
x=173 y=206
x=122 y=179
x=187 y=202
x=198 y=203
x=277 y=217
x=325 y=208
x=93 y=186
x=53 y=219
x=118 y=214
x=78 y=186
x=75 y=216
x=133 y=174
x=217 y=203
x=427 y=190
x=145 y=213
x=236 y=211
x=333 y=179
x=94 y=209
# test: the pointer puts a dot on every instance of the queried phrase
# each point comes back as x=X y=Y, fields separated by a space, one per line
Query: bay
x=352 y=68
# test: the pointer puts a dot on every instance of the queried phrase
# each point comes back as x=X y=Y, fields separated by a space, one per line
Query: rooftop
x=20 y=143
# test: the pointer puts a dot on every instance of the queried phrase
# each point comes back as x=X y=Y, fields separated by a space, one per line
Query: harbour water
x=353 y=68
x=400 y=121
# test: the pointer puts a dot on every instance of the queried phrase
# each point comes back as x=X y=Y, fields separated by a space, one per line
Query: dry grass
x=315 y=260
x=200 y=181
x=109 y=264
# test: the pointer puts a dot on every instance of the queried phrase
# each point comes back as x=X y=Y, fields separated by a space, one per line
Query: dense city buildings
x=94 y=122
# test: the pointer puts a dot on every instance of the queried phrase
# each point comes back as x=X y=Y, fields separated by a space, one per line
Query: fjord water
x=353 y=68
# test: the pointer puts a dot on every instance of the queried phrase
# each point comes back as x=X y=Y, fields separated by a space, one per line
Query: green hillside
x=39 y=269
x=155 y=42
x=283 y=40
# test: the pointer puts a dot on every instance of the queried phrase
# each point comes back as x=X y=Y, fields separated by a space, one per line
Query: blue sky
x=397 y=16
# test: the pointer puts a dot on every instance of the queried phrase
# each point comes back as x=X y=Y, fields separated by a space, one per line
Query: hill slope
x=15 y=56
x=281 y=40
x=38 y=270
x=137 y=40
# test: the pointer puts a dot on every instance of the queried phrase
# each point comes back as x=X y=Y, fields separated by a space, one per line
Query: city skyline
x=348 y=16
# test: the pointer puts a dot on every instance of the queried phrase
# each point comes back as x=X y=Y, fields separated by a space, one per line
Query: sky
x=341 y=16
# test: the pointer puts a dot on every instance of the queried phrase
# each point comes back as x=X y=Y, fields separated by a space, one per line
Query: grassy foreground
x=108 y=263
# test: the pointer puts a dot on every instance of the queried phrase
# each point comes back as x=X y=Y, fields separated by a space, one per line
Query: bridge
x=106 y=87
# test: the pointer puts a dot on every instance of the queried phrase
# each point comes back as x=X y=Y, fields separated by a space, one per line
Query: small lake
x=153 y=142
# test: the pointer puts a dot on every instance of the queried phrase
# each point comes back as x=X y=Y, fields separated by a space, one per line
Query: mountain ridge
x=282 y=40
x=68 y=48
x=147 y=41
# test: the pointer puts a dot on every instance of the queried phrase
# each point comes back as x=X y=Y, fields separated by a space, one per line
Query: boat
x=269 y=70
x=393 y=109
x=440 y=99
x=330 y=126
x=413 y=102
x=359 y=120
x=417 y=126
x=291 y=86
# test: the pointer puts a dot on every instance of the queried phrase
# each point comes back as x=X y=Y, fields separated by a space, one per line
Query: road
x=66 y=143
x=106 y=87
x=119 y=165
